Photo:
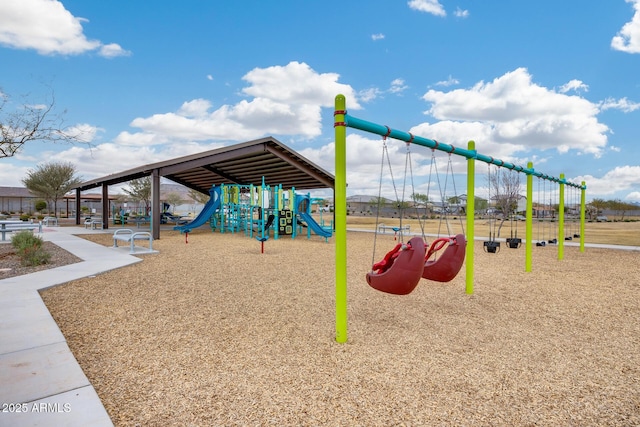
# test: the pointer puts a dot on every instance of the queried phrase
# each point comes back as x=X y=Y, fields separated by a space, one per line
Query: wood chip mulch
x=215 y=333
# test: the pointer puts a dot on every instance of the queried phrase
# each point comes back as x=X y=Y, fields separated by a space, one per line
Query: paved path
x=41 y=383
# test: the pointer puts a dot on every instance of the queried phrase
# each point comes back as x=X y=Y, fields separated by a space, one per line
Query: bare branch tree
x=32 y=122
x=506 y=192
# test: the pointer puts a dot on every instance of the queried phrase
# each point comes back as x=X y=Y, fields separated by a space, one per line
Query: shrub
x=24 y=239
x=25 y=217
x=29 y=248
x=40 y=205
x=35 y=256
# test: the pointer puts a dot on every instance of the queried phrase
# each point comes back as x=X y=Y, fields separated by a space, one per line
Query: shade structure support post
x=471 y=213
x=155 y=204
x=561 y=220
x=105 y=206
x=340 y=212
x=583 y=205
x=529 y=223
x=78 y=211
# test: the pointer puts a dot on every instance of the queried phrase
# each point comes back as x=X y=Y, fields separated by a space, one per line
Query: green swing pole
x=561 y=220
x=471 y=210
x=340 y=212
x=583 y=191
x=528 y=263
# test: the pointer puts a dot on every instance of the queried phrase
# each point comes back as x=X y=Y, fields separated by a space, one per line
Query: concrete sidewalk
x=41 y=383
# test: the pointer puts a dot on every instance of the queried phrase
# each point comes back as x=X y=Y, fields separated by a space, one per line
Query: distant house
x=370 y=205
x=18 y=200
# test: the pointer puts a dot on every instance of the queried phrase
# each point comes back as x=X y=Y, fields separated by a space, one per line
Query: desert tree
x=621 y=207
x=51 y=181
x=25 y=122
x=598 y=205
x=173 y=199
x=421 y=200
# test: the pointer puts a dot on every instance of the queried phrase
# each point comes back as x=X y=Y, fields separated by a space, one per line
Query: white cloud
x=397 y=86
x=515 y=112
x=376 y=37
x=364 y=156
x=47 y=27
x=83 y=132
x=461 y=13
x=368 y=95
x=286 y=100
x=113 y=50
x=209 y=77
x=364 y=159
x=108 y=158
x=429 y=6
x=11 y=174
x=575 y=85
x=195 y=108
x=296 y=83
x=449 y=82
x=622 y=104
x=628 y=38
x=619 y=179
x=634 y=196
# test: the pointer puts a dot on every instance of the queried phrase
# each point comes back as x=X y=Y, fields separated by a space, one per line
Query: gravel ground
x=215 y=333
x=10 y=264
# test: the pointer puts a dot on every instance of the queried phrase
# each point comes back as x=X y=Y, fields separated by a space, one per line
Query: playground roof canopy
x=244 y=163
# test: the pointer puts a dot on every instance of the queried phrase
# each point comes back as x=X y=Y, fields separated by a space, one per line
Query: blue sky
x=556 y=83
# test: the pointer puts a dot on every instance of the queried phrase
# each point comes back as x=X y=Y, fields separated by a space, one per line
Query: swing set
x=405 y=264
x=401 y=269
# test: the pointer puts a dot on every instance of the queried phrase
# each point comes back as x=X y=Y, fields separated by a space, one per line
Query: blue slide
x=306 y=217
x=205 y=214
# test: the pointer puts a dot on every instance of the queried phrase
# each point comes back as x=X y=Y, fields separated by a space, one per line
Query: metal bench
x=93 y=223
x=127 y=235
x=11 y=226
x=48 y=221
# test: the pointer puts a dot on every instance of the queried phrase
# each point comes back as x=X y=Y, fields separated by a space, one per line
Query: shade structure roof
x=244 y=163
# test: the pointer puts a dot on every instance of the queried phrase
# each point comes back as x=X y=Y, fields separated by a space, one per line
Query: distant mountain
x=174 y=188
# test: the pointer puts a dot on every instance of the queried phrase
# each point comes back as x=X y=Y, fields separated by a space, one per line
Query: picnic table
x=394 y=228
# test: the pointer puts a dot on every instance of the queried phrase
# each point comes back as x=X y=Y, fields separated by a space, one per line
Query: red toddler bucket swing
x=448 y=265
x=401 y=269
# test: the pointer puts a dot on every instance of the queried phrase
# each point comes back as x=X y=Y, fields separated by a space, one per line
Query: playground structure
x=342 y=120
x=259 y=211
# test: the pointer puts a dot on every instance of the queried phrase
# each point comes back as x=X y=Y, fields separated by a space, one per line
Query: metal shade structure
x=244 y=163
